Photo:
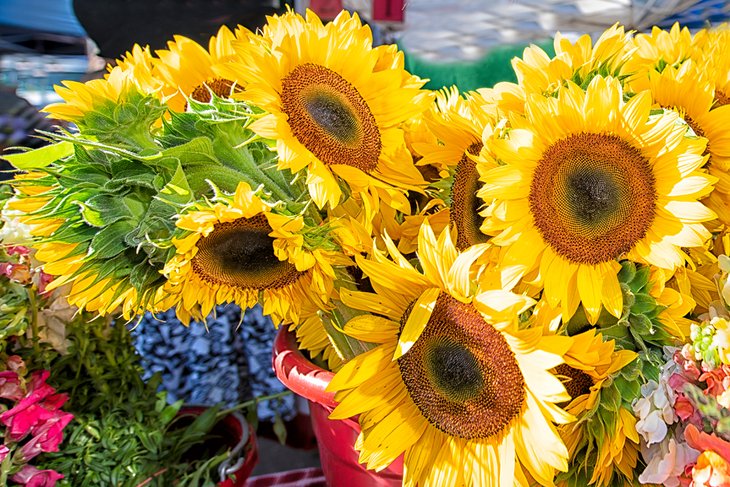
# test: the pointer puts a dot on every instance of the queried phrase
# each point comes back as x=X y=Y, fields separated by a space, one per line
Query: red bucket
x=242 y=441
x=335 y=438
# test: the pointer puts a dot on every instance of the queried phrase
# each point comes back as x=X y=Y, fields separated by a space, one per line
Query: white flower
x=13 y=231
x=655 y=410
x=666 y=462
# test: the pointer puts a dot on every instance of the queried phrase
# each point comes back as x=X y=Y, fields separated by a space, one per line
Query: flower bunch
x=494 y=276
x=33 y=423
x=683 y=417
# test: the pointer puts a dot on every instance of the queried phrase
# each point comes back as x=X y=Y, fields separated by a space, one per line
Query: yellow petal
x=417 y=320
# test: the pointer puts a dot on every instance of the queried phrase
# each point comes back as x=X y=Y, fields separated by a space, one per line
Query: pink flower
x=30 y=411
x=32 y=477
x=717 y=381
x=10 y=386
x=16 y=364
x=47 y=436
x=683 y=408
x=16 y=272
x=699 y=440
x=43 y=281
x=689 y=367
x=4 y=450
x=17 y=250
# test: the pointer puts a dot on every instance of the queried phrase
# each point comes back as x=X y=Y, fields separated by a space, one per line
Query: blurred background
x=467 y=43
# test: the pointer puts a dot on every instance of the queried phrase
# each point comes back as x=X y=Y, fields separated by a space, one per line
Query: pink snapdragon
x=32 y=477
x=34 y=423
x=40 y=404
x=46 y=436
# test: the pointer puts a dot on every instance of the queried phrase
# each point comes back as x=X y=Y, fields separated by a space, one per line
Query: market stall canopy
x=47 y=26
x=468 y=29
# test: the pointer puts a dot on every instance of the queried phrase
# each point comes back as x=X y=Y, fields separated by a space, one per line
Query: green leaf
x=42 y=157
x=627 y=272
x=640 y=279
x=110 y=240
x=176 y=193
x=104 y=209
x=643 y=303
x=143 y=275
x=279 y=429
x=198 y=151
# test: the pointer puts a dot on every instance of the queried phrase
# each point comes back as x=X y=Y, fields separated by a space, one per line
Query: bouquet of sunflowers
x=523 y=285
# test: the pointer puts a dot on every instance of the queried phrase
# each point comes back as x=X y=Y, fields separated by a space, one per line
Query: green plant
x=124 y=432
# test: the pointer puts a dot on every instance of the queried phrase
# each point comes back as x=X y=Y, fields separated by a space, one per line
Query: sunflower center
x=465 y=204
x=221 y=87
x=332 y=115
x=240 y=254
x=462 y=374
x=330 y=118
x=592 y=197
x=576 y=382
x=454 y=370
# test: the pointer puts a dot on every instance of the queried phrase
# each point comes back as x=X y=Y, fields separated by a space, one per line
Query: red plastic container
x=336 y=438
x=242 y=441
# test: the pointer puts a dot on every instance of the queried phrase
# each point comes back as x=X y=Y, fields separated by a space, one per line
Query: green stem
x=144 y=140
x=347 y=346
x=250 y=168
x=253 y=402
x=35 y=332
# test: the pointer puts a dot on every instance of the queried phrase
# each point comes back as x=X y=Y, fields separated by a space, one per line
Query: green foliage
x=123 y=432
x=120 y=183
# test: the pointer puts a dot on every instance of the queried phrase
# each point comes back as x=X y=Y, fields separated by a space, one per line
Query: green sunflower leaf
x=643 y=303
x=175 y=193
x=109 y=209
x=42 y=157
x=109 y=242
x=640 y=280
x=628 y=389
x=143 y=275
x=627 y=272
x=196 y=152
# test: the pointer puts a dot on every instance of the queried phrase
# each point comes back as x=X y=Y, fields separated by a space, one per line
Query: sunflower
x=132 y=75
x=459 y=124
x=334 y=104
x=688 y=91
x=715 y=63
x=603 y=440
x=660 y=48
x=453 y=383
x=225 y=252
x=587 y=179
x=190 y=71
x=69 y=261
x=538 y=73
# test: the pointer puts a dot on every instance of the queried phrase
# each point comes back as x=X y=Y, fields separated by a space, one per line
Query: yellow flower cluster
x=492 y=273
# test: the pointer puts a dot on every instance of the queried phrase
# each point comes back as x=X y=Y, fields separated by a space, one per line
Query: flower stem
x=35 y=332
x=253 y=402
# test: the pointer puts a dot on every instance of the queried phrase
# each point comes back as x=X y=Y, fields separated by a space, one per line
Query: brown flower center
x=576 y=381
x=465 y=204
x=329 y=117
x=240 y=254
x=592 y=197
x=462 y=374
x=221 y=87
